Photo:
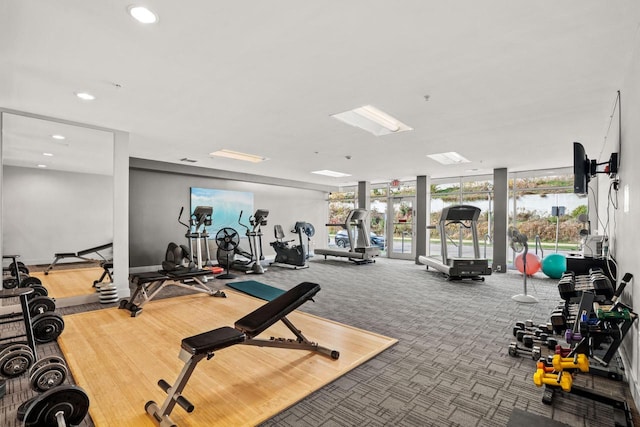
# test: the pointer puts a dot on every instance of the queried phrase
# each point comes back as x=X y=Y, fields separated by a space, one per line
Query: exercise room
x=415 y=214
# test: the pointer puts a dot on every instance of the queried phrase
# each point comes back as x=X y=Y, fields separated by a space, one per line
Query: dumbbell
x=543 y=338
x=41 y=304
x=559 y=322
x=59 y=406
x=47 y=373
x=579 y=361
x=560 y=379
x=15 y=359
x=515 y=350
x=572 y=337
x=563 y=352
x=528 y=325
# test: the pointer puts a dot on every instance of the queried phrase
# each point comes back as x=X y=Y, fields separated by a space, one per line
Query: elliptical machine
x=288 y=255
x=226 y=252
x=197 y=234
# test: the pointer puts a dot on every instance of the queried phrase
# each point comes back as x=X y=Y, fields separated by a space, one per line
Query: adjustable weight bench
x=107 y=271
x=198 y=347
x=80 y=255
x=149 y=284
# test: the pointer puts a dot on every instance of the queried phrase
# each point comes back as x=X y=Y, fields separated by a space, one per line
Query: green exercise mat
x=257 y=289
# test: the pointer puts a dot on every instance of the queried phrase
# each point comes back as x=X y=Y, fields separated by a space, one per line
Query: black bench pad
x=260 y=319
x=95 y=249
x=186 y=273
x=213 y=340
x=147 y=277
x=66 y=255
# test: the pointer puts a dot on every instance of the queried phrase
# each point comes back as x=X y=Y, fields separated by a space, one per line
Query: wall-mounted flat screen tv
x=581 y=169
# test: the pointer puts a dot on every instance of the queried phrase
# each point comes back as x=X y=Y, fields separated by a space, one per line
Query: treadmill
x=360 y=249
x=458 y=268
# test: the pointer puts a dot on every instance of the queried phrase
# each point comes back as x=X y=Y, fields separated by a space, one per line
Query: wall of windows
x=542 y=206
x=340 y=203
x=475 y=191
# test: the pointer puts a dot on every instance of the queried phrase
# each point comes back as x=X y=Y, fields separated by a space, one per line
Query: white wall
x=48 y=211
x=625 y=220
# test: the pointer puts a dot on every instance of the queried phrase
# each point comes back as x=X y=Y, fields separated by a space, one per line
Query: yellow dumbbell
x=564 y=380
x=579 y=362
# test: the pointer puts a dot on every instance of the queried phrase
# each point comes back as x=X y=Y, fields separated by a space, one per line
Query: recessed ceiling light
x=372 y=120
x=450 y=158
x=58 y=137
x=48 y=154
x=236 y=155
x=143 y=15
x=332 y=174
x=85 y=96
x=42 y=166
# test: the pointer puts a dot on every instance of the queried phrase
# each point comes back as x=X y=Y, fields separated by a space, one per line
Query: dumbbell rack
x=23 y=295
x=598 y=320
x=17 y=357
x=557 y=372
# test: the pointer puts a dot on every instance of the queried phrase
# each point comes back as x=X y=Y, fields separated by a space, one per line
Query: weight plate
x=45 y=361
x=47 y=327
x=9 y=283
x=30 y=281
x=15 y=360
x=38 y=291
x=23 y=408
x=48 y=376
x=41 y=304
x=8 y=347
x=69 y=400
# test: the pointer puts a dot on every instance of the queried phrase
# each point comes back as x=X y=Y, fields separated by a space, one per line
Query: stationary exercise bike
x=291 y=255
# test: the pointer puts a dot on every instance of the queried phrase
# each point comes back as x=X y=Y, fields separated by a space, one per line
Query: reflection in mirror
x=57 y=201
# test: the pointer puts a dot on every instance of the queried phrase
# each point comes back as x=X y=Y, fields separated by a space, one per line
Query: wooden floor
x=71 y=282
x=118 y=360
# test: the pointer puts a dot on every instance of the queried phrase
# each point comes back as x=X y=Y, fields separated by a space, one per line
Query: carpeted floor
x=450 y=366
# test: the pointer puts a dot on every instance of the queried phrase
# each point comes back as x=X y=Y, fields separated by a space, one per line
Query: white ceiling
x=510 y=83
x=28 y=142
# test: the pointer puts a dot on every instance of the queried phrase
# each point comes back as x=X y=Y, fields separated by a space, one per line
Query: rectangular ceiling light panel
x=450 y=158
x=229 y=154
x=331 y=173
x=372 y=120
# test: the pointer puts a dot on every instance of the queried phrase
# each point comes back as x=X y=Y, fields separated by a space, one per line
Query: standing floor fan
x=227 y=240
x=519 y=244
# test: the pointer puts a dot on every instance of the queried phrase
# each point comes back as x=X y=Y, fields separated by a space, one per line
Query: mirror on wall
x=57 y=196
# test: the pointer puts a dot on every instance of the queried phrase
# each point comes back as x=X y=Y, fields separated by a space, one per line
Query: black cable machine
x=360 y=249
x=458 y=268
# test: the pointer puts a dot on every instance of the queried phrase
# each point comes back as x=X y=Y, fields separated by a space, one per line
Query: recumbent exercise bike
x=288 y=255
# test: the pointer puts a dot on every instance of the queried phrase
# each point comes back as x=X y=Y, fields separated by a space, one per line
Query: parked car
x=342 y=239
